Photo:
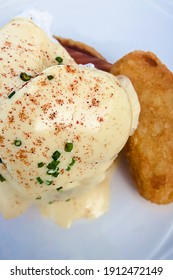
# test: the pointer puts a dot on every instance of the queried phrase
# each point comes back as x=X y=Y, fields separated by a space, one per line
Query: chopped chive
x=53 y=165
x=50 y=202
x=72 y=162
x=40 y=164
x=58 y=189
x=2 y=179
x=67 y=200
x=55 y=174
x=56 y=155
x=48 y=182
x=38 y=197
x=0 y=160
x=11 y=94
x=39 y=180
x=25 y=77
x=68 y=168
x=17 y=143
x=50 y=77
x=50 y=171
x=59 y=59
x=68 y=147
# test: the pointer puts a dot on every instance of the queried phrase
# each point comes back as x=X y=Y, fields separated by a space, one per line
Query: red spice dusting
x=95 y=102
x=32 y=151
x=18 y=102
x=38 y=142
x=34 y=100
x=1 y=139
x=46 y=107
x=8 y=44
x=59 y=101
x=45 y=153
x=22 y=116
x=19 y=172
x=61 y=126
x=70 y=69
x=100 y=119
x=11 y=119
x=27 y=135
x=13 y=73
x=77 y=159
x=77 y=137
x=52 y=116
x=22 y=155
x=43 y=83
x=96 y=87
x=70 y=100
x=71 y=87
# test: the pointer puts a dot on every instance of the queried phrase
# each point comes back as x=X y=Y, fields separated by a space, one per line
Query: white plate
x=133 y=228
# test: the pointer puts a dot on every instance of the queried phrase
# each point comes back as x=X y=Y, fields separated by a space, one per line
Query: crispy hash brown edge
x=150 y=150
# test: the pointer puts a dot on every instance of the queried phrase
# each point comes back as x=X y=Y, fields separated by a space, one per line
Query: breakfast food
x=151 y=173
x=149 y=150
x=84 y=54
x=79 y=46
x=62 y=125
x=24 y=47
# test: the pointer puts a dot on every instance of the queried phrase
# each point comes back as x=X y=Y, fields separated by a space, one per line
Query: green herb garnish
x=50 y=77
x=53 y=165
x=59 y=59
x=68 y=147
x=2 y=179
x=58 y=189
x=71 y=164
x=11 y=94
x=67 y=200
x=38 y=197
x=48 y=182
x=0 y=160
x=50 y=202
x=55 y=174
x=17 y=143
x=25 y=77
x=50 y=172
x=56 y=155
x=40 y=164
x=39 y=180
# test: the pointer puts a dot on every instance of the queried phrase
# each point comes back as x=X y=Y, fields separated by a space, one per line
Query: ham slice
x=83 y=54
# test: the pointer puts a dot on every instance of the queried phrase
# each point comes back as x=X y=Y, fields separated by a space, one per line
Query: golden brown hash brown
x=150 y=150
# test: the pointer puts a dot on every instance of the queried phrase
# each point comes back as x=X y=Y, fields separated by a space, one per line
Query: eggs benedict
x=62 y=126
